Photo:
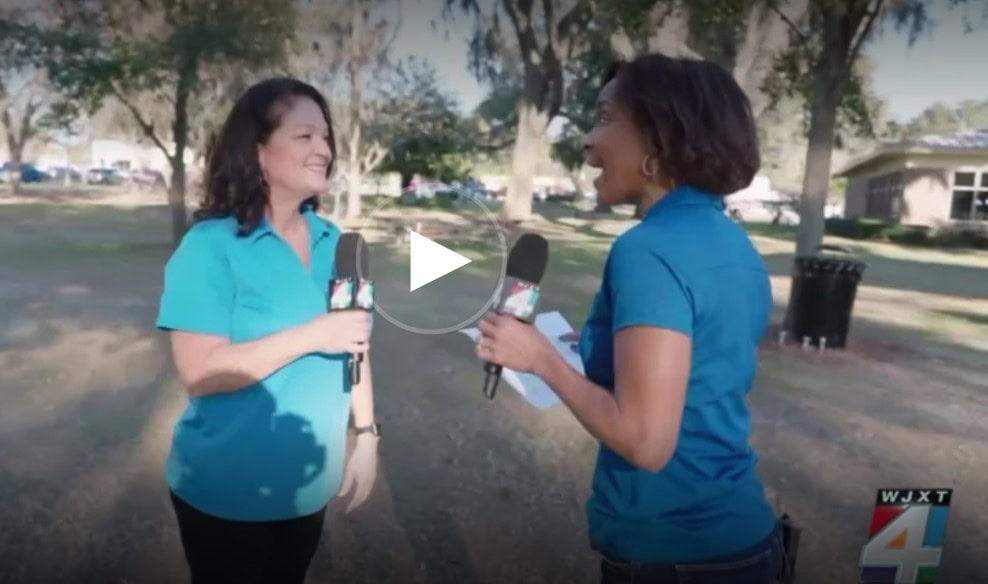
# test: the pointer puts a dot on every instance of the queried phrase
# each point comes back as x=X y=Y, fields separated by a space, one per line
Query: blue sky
x=945 y=65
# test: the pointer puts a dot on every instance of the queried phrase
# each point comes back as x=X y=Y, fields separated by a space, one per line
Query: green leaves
x=92 y=50
x=420 y=125
x=716 y=28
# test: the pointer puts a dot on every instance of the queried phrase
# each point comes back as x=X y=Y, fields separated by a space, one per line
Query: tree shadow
x=835 y=518
x=45 y=536
x=835 y=509
x=971 y=317
x=417 y=473
x=64 y=528
x=463 y=486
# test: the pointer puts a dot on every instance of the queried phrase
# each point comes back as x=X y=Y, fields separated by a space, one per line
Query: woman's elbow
x=219 y=382
x=652 y=455
x=196 y=385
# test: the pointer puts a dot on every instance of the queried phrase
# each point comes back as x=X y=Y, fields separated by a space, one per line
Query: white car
x=762 y=212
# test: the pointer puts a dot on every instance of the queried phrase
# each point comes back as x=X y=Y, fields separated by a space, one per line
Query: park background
x=108 y=109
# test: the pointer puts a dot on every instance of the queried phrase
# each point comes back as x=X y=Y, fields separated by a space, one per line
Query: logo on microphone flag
x=341 y=296
x=521 y=299
x=905 y=539
x=365 y=295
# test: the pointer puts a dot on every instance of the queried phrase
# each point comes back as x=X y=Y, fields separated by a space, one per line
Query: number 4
x=900 y=543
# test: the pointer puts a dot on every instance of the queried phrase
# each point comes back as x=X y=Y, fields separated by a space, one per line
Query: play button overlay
x=430 y=261
x=437 y=264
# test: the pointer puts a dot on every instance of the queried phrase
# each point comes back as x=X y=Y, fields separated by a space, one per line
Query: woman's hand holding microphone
x=343 y=331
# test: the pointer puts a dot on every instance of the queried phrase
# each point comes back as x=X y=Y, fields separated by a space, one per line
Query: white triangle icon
x=430 y=261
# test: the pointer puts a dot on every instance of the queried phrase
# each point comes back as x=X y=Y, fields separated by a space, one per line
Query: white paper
x=553 y=325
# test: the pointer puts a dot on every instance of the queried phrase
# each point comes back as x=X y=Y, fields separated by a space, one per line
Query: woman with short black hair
x=670 y=345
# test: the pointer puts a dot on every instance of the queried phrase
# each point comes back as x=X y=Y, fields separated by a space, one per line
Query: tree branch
x=521 y=19
x=548 y=11
x=31 y=83
x=373 y=158
x=147 y=127
x=571 y=27
x=7 y=124
x=785 y=18
x=491 y=148
x=394 y=31
x=28 y=130
x=864 y=33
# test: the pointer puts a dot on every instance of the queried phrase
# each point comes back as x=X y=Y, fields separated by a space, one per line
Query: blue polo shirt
x=275 y=449
x=688 y=268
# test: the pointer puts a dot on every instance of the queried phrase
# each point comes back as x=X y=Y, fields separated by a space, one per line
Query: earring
x=650 y=173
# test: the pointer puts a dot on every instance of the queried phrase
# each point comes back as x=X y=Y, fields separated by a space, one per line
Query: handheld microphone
x=521 y=291
x=352 y=288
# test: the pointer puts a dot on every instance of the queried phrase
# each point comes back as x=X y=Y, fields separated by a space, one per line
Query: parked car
x=60 y=174
x=472 y=188
x=777 y=213
x=554 y=195
x=428 y=190
x=147 y=178
x=104 y=176
x=29 y=173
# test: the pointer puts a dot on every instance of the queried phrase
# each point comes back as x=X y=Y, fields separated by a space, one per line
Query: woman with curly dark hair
x=671 y=343
x=259 y=451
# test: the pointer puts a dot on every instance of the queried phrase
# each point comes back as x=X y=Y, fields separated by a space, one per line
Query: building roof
x=968 y=142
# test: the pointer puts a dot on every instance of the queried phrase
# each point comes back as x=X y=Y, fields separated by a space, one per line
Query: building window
x=884 y=199
x=970 y=197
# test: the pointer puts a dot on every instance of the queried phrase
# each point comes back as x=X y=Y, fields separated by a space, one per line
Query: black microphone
x=521 y=291
x=352 y=288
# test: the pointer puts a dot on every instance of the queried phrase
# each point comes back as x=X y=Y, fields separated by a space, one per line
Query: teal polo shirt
x=688 y=268
x=273 y=450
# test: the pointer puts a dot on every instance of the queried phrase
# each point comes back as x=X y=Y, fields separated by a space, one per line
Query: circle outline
x=502 y=273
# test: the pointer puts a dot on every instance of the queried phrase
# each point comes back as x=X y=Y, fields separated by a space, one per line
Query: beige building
x=936 y=181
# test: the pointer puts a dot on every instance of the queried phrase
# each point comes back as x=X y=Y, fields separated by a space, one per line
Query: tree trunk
x=766 y=36
x=353 y=174
x=530 y=138
x=357 y=14
x=816 y=179
x=338 y=204
x=671 y=22
x=15 y=148
x=180 y=132
x=16 y=161
x=354 y=178
x=176 y=200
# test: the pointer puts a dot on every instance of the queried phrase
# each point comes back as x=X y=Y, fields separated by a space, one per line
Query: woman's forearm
x=362 y=399
x=597 y=409
x=229 y=367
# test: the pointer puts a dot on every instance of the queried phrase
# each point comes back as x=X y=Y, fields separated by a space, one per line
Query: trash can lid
x=824 y=264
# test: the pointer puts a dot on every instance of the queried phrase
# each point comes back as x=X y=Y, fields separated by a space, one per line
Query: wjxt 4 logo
x=905 y=538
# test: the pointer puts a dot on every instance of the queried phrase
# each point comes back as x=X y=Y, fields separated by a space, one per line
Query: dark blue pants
x=760 y=564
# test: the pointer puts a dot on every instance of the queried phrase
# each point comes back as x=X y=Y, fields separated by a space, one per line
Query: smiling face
x=296 y=156
x=617 y=148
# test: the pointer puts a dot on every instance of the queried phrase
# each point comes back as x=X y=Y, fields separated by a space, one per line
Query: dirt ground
x=469 y=490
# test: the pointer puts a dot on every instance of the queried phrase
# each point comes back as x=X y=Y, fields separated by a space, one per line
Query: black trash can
x=822 y=298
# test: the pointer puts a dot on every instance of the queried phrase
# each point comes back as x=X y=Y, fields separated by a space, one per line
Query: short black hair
x=696 y=116
x=234 y=184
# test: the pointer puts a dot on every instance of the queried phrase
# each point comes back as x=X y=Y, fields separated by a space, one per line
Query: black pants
x=220 y=551
x=759 y=564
